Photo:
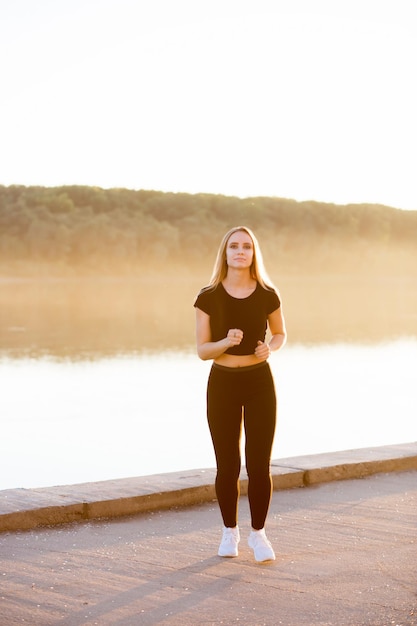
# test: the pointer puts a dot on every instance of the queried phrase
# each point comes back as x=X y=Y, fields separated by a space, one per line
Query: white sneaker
x=261 y=546
x=229 y=542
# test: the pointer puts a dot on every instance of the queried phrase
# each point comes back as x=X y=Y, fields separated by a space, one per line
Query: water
x=66 y=421
x=99 y=378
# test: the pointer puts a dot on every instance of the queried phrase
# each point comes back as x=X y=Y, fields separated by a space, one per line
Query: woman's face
x=239 y=250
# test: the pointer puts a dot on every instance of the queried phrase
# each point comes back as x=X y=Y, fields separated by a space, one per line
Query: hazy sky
x=304 y=99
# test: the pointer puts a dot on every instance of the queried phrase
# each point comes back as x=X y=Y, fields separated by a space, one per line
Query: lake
x=100 y=380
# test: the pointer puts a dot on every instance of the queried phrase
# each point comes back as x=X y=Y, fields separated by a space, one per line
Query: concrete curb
x=24 y=509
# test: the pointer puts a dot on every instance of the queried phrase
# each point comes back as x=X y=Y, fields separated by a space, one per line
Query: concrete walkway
x=346 y=549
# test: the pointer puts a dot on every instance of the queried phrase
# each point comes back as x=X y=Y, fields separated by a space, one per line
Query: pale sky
x=303 y=99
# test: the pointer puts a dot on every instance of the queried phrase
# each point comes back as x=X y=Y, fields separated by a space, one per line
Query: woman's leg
x=224 y=412
x=260 y=421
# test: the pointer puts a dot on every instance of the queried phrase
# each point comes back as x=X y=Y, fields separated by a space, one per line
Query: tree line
x=81 y=229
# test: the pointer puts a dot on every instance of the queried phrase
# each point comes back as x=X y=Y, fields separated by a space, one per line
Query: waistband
x=245 y=368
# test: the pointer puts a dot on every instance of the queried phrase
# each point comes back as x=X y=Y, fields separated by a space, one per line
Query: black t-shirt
x=248 y=314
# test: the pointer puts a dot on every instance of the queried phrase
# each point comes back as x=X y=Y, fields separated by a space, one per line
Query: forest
x=81 y=230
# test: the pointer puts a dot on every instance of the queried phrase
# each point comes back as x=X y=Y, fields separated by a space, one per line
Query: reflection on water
x=93 y=318
x=66 y=422
x=99 y=378
x=96 y=318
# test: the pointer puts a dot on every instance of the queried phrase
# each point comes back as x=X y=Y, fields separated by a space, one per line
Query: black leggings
x=234 y=395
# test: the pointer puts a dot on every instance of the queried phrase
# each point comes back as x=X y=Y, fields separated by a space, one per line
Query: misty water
x=100 y=380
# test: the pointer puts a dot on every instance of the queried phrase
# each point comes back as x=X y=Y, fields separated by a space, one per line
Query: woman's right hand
x=235 y=336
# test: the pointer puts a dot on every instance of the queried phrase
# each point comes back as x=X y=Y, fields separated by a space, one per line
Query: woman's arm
x=208 y=349
x=277 y=329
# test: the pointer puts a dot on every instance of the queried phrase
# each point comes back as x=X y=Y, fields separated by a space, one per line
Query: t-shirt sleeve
x=203 y=301
x=273 y=302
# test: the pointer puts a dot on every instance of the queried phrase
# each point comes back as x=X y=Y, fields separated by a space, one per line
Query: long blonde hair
x=257 y=269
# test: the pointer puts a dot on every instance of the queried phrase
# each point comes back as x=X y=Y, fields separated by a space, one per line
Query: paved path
x=346 y=556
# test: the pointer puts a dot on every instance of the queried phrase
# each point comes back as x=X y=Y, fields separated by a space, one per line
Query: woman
x=232 y=316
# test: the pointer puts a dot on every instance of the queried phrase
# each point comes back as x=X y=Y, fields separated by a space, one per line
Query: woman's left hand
x=262 y=351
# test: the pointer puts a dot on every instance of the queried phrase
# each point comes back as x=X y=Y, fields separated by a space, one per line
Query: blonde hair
x=257 y=269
